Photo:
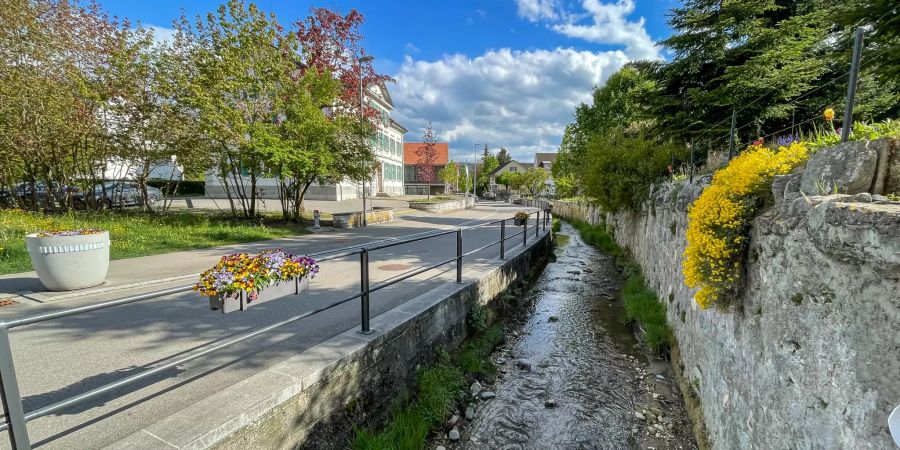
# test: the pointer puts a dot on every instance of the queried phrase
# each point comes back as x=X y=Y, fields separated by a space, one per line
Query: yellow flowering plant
x=718 y=220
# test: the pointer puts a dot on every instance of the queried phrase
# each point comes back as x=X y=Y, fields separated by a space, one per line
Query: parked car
x=26 y=191
x=117 y=194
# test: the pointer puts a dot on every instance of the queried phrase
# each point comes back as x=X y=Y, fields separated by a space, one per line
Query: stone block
x=847 y=168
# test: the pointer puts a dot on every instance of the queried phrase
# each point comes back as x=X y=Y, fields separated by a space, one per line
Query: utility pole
x=362 y=117
x=692 y=161
x=851 y=86
x=731 y=135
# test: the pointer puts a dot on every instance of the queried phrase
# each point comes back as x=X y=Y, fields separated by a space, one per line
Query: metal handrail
x=16 y=418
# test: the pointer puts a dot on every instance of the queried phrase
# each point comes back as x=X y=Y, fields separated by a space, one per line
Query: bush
x=718 y=220
x=620 y=168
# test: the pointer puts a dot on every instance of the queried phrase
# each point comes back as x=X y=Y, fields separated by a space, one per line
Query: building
x=414 y=185
x=512 y=166
x=546 y=162
x=387 y=179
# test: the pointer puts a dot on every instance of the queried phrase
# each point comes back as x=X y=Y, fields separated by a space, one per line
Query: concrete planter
x=240 y=302
x=65 y=263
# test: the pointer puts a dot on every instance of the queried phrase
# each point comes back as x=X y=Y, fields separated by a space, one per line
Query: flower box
x=521 y=218
x=239 y=281
x=69 y=260
x=240 y=301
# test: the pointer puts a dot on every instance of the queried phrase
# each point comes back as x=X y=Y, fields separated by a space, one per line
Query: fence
x=16 y=419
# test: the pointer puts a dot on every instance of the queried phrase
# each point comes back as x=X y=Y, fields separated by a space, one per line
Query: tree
x=533 y=181
x=450 y=175
x=489 y=163
x=512 y=180
x=243 y=60
x=503 y=156
x=332 y=43
x=426 y=155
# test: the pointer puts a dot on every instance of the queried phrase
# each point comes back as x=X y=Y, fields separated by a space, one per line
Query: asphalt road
x=65 y=357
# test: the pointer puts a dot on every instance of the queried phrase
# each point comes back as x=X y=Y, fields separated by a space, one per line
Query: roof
x=541 y=158
x=411 y=158
x=523 y=165
x=398 y=126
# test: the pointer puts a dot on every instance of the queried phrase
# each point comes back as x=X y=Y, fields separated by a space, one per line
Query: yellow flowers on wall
x=718 y=220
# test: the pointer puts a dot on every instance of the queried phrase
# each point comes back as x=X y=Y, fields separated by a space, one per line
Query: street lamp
x=362 y=116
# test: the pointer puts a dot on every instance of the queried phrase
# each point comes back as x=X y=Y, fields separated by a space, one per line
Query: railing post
x=503 y=239
x=459 y=255
x=12 y=400
x=537 y=224
x=525 y=233
x=364 y=289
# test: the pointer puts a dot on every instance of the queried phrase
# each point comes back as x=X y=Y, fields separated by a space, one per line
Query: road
x=61 y=358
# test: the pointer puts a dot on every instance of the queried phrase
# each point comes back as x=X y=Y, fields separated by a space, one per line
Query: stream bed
x=571 y=373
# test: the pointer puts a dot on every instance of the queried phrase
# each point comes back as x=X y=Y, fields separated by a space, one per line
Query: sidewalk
x=184 y=266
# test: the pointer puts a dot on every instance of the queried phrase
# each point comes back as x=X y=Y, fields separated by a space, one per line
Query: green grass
x=642 y=305
x=437 y=396
x=557 y=225
x=135 y=233
x=640 y=302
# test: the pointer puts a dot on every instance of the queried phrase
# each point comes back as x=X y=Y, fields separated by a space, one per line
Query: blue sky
x=503 y=72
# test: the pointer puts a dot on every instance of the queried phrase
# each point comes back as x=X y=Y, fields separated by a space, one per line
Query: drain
x=395 y=267
x=8 y=302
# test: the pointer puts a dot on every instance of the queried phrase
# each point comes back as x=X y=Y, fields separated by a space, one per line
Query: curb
x=42 y=298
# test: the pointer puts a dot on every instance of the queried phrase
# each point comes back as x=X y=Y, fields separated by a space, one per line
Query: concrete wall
x=444 y=206
x=810 y=358
x=313 y=399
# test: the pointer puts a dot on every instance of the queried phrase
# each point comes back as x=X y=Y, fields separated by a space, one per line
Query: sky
x=506 y=73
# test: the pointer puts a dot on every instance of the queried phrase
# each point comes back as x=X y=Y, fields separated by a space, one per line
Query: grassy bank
x=437 y=394
x=640 y=302
x=136 y=234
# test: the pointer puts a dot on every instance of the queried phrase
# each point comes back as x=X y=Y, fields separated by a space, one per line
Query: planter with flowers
x=66 y=260
x=240 y=281
x=521 y=218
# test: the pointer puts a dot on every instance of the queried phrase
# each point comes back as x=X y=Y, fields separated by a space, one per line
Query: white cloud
x=521 y=100
x=536 y=10
x=609 y=24
x=411 y=48
x=161 y=35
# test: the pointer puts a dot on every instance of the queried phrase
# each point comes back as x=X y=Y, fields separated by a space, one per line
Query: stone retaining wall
x=810 y=358
x=378 y=214
x=444 y=206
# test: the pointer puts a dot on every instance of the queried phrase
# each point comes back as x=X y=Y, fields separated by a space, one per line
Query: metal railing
x=16 y=418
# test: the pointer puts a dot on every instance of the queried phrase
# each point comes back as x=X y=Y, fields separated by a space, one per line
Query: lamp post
x=362 y=116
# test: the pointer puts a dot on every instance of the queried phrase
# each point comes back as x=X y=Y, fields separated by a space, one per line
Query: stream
x=572 y=374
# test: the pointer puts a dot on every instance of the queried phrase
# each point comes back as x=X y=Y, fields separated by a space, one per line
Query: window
x=512 y=169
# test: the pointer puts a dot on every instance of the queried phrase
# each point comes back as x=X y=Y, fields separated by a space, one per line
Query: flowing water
x=587 y=377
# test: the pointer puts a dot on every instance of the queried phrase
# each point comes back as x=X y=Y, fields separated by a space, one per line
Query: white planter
x=65 y=263
x=240 y=302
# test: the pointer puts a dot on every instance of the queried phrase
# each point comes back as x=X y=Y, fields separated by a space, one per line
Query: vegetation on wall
x=719 y=220
x=775 y=65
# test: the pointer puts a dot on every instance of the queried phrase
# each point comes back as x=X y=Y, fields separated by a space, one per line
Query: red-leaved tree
x=332 y=42
x=425 y=158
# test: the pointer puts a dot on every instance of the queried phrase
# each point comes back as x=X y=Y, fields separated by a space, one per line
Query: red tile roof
x=441 y=148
